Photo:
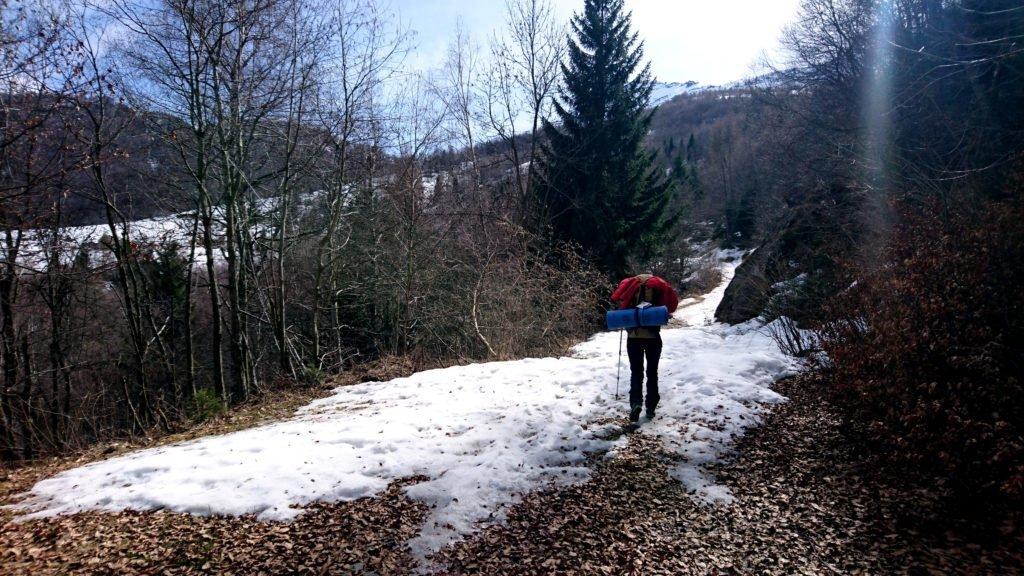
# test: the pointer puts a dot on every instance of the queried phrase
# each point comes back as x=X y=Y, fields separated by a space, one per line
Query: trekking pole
x=619 y=371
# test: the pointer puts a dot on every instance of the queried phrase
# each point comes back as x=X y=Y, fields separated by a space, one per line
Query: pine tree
x=679 y=169
x=599 y=185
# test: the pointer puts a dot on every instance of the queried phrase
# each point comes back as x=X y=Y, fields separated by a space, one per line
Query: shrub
x=312 y=375
x=205 y=405
x=791 y=338
x=928 y=352
x=704 y=277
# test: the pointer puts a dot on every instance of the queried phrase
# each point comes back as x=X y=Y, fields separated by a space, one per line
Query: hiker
x=644 y=342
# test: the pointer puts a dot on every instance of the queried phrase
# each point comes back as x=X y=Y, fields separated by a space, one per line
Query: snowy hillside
x=482 y=435
x=161 y=231
x=665 y=91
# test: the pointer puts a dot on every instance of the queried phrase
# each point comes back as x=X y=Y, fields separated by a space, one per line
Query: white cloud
x=711 y=41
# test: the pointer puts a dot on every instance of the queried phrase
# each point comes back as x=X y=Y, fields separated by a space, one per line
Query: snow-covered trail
x=481 y=435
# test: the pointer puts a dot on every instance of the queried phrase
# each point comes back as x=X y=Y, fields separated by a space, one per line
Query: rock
x=745 y=296
x=809 y=241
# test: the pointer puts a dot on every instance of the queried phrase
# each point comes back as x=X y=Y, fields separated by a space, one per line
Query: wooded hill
x=336 y=211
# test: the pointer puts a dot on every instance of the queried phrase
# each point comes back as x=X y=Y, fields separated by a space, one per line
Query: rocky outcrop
x=808 y=245
x=746 y=295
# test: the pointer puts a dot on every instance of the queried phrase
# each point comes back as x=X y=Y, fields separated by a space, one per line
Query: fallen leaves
x=364 y=536
x=806 y=503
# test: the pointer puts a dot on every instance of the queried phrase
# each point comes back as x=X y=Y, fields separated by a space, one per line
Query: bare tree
x=458 y=90
x=416 y=128
x=293 y=154
x=521 y=83
x=37 y=68
x=365 y=51
x=238 y=75
x=169 y=49
x=97 y=129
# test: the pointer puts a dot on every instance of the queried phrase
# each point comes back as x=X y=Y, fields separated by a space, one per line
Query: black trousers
x=638 y=349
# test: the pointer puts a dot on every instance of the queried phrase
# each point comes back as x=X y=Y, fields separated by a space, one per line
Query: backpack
x=645 y=294
x=631 y=292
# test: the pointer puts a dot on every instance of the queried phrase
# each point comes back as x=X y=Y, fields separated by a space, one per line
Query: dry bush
x=928 y=353
x=535 y=307
x=500 y=295
x=791 y=338
x=705 y=275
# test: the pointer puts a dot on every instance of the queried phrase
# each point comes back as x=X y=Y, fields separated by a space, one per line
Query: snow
x=152 y=232
x=429 y=184
x=88 y=238
x=665 y=91
x=480 y=435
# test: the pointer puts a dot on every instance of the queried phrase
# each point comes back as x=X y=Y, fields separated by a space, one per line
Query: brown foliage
x=365 y=536
x=928 y=351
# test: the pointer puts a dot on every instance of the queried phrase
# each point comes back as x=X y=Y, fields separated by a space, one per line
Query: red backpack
x=661 y=292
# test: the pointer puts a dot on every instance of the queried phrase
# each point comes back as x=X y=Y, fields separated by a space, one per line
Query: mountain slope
x=665 y=91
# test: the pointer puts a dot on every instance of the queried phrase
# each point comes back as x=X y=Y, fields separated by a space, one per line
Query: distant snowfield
x=152 y=232
x=482 y=435
x=664 y=91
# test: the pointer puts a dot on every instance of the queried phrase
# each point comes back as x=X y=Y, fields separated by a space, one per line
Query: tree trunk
x=8 y=348
x=190 y=355
x=217 y=335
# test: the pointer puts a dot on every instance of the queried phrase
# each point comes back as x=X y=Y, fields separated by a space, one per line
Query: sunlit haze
x=709 y=42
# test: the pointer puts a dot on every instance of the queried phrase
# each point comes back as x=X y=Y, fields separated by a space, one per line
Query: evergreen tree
x=695 y=184
x=599 y=185
x=679 y=170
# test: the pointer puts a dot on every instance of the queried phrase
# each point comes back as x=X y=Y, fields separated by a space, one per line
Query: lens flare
x=878 y=138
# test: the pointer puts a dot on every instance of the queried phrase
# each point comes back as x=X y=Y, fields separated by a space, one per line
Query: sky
x=709 y=41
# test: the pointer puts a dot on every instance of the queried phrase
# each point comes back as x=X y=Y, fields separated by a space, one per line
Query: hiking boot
x=634 y=413
x=650 y=413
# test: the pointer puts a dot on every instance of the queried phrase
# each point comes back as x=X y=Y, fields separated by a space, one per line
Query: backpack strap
x=641 y=293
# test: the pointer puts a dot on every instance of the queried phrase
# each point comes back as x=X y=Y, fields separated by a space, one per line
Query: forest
x=196 y=213
x=209 y=204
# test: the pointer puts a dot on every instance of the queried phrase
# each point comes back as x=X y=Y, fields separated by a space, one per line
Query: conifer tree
x=599 y=185
x=679 y=169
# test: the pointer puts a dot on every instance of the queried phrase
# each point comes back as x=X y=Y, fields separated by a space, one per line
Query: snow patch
x=481 y=435
x=664 y=91
x=150 y=233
